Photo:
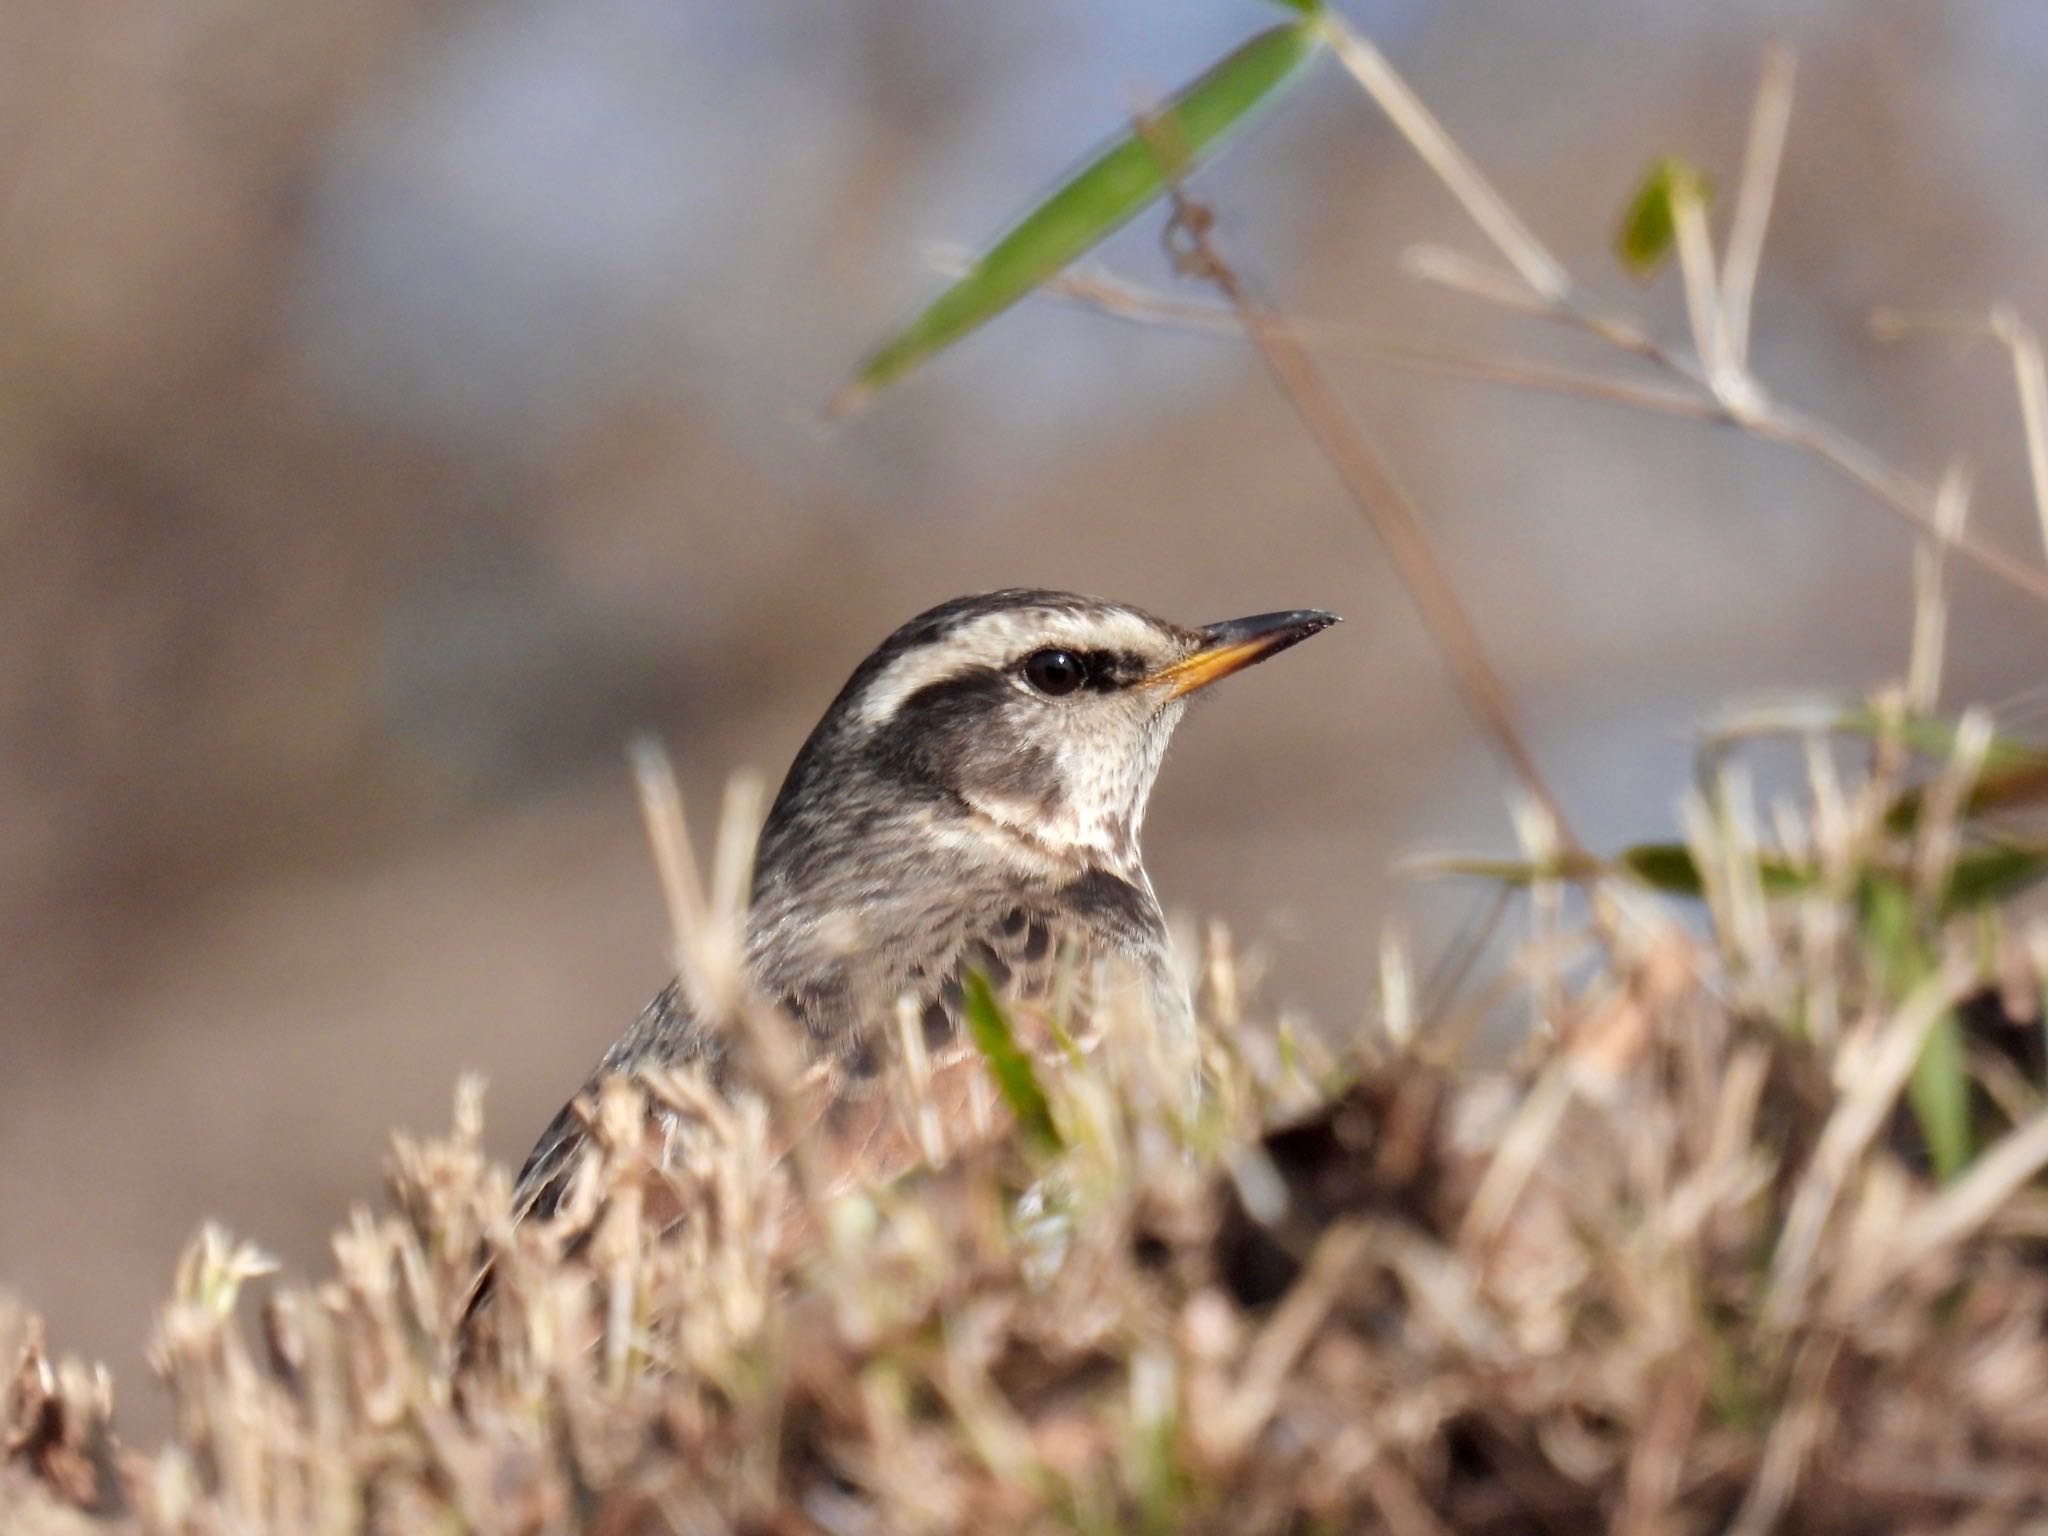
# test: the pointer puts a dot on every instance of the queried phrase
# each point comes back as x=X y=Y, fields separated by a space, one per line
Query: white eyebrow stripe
x=996 y=640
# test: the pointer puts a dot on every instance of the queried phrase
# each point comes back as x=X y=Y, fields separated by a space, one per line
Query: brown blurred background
x=402 y=405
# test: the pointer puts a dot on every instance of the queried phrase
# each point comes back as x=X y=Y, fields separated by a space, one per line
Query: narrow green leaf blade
x=1939 y=1090
x=1113 y=187
x=1649 y=227
x=1014 y=1074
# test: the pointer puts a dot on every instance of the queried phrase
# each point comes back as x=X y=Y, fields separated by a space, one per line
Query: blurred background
x=402 y=405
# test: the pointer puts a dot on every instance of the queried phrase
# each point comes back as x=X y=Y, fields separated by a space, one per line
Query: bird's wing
x=1036 y=949
x=663 y=1033
x=544 y=1178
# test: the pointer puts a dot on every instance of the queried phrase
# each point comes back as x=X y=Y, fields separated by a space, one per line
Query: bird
x=971 y=801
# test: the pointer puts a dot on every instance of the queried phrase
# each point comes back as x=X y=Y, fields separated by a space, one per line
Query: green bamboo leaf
x=1007 y=1060
x=1665 y=867
x=1113 y=187
x=1983 y=875
x=1649 y=229
x=1669 y=867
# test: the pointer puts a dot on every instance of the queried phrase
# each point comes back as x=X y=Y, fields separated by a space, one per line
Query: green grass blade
x=1014 y=1075
x=1939 y=1093
x=1104 y=194
x=1939 y=1090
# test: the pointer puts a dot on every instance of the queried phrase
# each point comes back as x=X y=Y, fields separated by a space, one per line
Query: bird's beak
x=1235 y=644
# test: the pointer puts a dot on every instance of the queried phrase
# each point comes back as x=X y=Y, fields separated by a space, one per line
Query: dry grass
x=1682 y=1266
x=1678 y=1268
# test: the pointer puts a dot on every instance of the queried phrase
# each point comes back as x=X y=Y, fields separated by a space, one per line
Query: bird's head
x=1039 y=716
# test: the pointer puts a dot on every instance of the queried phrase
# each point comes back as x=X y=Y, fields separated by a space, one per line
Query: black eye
x=1054 y=672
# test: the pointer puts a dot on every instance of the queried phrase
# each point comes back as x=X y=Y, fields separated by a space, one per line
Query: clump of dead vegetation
x=1706 y=1255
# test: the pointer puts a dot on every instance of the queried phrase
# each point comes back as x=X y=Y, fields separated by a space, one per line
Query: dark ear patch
x=1028 y=774
x=964 y=695
x=965 y=732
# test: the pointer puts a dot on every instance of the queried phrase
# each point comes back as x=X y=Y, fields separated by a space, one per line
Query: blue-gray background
x=402 y=405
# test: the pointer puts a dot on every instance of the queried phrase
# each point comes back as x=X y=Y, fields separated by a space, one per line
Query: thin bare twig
x=1966 y=1205
x=1703 y=306
x=1543 y=272
x=1554 y=294
x=1911 y=501
x=708 y=928
x=1464 y=274
x=1857 y=1117
x=1916 y=505
x=2030 y=376
x=1120 y=299
x=682 y=882
x=1375 y=492
x=1371 y=484
x=2030 y=379
x=1930 y=594
x=1790 y=1442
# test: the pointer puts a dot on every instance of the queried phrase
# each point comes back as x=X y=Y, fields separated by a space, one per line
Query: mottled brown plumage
x=971 y=800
